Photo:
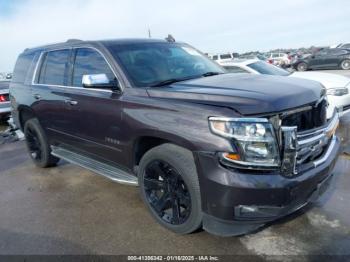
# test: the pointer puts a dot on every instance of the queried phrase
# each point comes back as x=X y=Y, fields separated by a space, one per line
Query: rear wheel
x=345 y=65
x=169 y=187
x=302 y=66
x=37 y=144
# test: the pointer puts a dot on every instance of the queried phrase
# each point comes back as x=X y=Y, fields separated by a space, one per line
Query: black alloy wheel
x=37 y=144
x=166 y=192
x=34 y=144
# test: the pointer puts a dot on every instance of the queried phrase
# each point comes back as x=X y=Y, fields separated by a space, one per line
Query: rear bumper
x=235 y=202
x=5 y=108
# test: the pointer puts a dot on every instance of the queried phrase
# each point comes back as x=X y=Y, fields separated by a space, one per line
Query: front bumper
x=235 y=201
x=338 y=103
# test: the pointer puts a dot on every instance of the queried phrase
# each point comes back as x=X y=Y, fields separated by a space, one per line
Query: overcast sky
x=211 y=26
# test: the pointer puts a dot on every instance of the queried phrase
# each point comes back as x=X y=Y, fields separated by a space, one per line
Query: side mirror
x=99 y=81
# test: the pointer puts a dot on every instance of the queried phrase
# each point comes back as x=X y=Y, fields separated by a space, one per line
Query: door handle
x=71 y=102
x=37 y=96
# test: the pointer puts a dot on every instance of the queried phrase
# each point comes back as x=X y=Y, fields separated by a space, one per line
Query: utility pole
x=149 y=33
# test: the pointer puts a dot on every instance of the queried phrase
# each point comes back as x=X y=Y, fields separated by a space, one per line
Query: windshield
x=268 y=69
x=148 y=64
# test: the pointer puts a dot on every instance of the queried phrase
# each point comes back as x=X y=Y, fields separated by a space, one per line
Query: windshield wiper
x=211 y=74
x=170 y=81
x=174 y=80
x=166 y=82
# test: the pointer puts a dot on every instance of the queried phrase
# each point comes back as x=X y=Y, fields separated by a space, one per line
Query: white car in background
x=223 y=57
x=278 y=59
x=337 y=86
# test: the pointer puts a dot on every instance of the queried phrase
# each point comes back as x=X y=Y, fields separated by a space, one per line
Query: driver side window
x=89 y=62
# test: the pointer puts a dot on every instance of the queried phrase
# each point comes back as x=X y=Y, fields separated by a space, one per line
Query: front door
x=317 y=60
x=97 y=112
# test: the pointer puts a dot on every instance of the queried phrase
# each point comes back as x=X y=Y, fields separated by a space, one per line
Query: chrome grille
x=308 y=149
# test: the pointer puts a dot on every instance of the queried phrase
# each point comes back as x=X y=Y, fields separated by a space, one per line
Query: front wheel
x=37 y=144
x=302 y=66
x=170 y=189
x=345 y=65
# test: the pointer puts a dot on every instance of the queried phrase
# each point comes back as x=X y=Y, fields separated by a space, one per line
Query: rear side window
x=215 y=57
x=54 y=67
x=89 y=62
x=22 y=66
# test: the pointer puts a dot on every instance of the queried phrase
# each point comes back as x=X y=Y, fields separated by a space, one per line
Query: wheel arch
x=24 y=114
x=144 y=143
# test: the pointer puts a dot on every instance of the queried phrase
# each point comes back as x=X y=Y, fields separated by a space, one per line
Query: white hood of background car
x=326 y=79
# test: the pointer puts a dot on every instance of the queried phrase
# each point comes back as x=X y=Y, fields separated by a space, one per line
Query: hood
x=248 y=94
x=326 y=79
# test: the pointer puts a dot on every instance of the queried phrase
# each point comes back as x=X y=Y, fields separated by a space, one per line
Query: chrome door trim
x=73 y=87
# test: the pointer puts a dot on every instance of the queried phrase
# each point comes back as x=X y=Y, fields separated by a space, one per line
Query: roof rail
x=73 y=40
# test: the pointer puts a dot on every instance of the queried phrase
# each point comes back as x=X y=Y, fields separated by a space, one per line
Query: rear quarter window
x=23 y=64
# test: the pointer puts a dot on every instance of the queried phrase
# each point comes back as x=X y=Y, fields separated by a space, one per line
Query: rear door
x=48 y=91
x=96 y=112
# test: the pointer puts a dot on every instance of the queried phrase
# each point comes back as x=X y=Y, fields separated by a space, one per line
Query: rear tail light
x=3 y=98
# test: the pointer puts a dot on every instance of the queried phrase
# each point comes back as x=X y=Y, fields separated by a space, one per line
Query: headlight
x=338 y=91
x=254 y=138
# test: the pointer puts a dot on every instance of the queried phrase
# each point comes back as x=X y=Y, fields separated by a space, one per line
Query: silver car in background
x=5 y=107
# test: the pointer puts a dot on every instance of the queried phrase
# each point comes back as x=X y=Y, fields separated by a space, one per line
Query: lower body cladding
x=235 y=202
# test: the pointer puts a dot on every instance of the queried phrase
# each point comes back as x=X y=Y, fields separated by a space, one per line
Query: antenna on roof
x=170 y=38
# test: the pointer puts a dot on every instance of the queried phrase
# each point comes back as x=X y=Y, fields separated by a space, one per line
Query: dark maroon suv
x=229 y=152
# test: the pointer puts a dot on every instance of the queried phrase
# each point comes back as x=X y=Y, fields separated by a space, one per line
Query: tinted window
x=225 y=56
x=54 y=66
x=346 y=46
x=149 y=64
x=21 y=68
x=338 y=52
x=89 y=62
x=275 y=55
x=322 y=52
x=268 y=69
x=215 y=57
x=235 y=69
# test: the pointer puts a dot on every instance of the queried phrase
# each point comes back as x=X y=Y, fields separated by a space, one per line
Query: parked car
x=278 y=59
x=5 y=107
x=337 y=86
x=205 y=147
x=346 y=46
x=223 y=57
x=253 y=56
x=328 y=58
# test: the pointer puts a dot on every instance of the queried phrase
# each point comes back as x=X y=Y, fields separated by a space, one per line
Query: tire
x=159 y=191
x=345 y=64
x=302 y=66
x=37 y=144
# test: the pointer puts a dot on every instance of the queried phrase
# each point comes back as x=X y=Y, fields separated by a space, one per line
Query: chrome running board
x=111 y=172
